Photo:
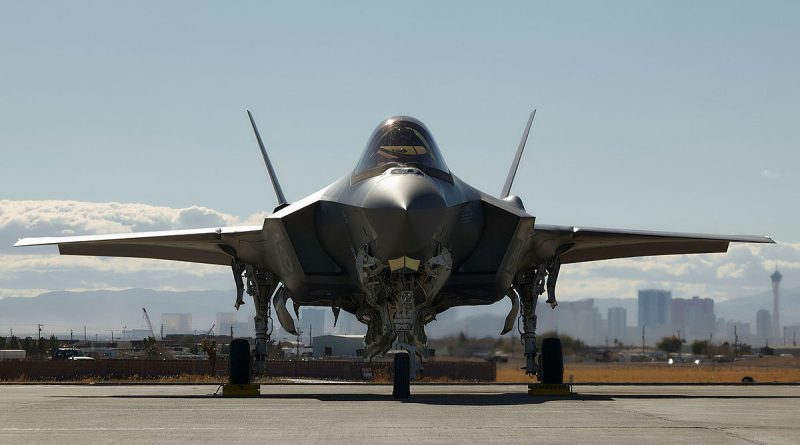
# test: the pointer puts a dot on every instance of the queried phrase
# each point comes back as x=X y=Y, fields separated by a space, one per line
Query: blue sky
x=676 y=116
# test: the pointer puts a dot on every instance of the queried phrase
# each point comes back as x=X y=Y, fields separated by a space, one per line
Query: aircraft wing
x=581 y=244
x=210 y=246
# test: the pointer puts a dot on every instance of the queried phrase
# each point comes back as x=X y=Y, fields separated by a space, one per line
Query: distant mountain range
x=103 y=311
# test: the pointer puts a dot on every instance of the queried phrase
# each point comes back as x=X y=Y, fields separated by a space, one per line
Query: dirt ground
x=765 y=369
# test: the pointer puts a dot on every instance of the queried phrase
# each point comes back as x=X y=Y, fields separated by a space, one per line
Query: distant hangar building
x=338 y=345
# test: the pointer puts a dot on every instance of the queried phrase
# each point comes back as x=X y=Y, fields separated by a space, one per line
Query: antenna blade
x=275 y=184
x=514 y=165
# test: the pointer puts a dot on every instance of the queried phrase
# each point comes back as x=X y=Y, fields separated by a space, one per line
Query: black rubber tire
x=239 y=362
x=401 y=388
x=552 y=361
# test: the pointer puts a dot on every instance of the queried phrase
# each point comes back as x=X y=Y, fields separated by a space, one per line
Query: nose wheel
x=401 y=386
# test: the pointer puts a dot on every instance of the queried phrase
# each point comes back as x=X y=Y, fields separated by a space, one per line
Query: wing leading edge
x=210 y=246
x=579 y=244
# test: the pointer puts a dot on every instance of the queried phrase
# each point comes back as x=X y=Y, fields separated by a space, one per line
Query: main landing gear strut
x=549 y=365
x=260 y=285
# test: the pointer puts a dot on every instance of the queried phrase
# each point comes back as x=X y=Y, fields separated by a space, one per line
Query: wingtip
x=27 y=242
x=22 y=242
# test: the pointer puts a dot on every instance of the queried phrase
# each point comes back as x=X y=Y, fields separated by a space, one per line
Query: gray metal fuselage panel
x=313 y=244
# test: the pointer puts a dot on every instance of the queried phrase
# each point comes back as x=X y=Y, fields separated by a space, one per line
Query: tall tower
x=776 y=320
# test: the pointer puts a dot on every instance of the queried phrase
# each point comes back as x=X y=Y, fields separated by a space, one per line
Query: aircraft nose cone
x=405 y=192
x=405 y=213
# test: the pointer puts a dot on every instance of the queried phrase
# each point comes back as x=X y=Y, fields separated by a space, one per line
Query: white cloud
x=30 y=271
x=68 y=217
x=730 y=270
x=64 y=218
x=29 y=292
x=770 y=174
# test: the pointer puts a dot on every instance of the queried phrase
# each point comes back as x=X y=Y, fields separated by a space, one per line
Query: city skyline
x=588 y=319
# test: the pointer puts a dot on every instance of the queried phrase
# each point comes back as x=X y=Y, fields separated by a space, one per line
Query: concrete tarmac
x=338 y=413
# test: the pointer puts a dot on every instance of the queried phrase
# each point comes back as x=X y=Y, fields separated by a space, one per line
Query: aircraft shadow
x=489 y=399
x=426 y=399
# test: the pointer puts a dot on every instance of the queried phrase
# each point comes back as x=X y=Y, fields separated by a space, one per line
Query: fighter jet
x=396 y=241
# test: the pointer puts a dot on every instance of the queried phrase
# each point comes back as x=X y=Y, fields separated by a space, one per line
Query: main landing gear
x=549 y=365
x=239 y=372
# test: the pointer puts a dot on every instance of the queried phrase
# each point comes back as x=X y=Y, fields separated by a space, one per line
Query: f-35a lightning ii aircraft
x=395 y=242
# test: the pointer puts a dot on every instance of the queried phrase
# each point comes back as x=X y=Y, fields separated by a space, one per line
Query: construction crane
x=149 y=325
x=211 y=331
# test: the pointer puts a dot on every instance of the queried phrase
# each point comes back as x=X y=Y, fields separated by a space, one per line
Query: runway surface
x=367 y=414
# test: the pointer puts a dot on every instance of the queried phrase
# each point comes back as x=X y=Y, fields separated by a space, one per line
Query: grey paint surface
x=367 y=414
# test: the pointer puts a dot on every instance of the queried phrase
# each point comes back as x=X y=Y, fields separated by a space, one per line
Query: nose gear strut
x=400 y=303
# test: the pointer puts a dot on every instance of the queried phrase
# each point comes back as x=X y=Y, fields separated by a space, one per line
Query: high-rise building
x=654 y=307
x=580 y=319
x=176 y=323
x=776 y=313
x=763 y=324
x=617 y=323
x=694 y=317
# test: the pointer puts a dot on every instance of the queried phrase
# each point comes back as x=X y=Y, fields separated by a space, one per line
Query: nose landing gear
x=400 y=304
x=401 y=385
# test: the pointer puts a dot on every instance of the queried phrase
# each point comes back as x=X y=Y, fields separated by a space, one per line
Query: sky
x=678 y=116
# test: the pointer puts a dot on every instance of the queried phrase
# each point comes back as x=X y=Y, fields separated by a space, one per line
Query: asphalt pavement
x=342 y=413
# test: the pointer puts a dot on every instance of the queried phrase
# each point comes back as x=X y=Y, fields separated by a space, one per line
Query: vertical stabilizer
x=275 y=184
x=514 y=165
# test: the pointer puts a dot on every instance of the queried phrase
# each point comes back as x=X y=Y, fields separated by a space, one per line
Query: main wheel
x=239 y=362
x=552 y=361
x=401 y=388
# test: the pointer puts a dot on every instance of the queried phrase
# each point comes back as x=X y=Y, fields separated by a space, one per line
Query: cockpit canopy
x=401 y=141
